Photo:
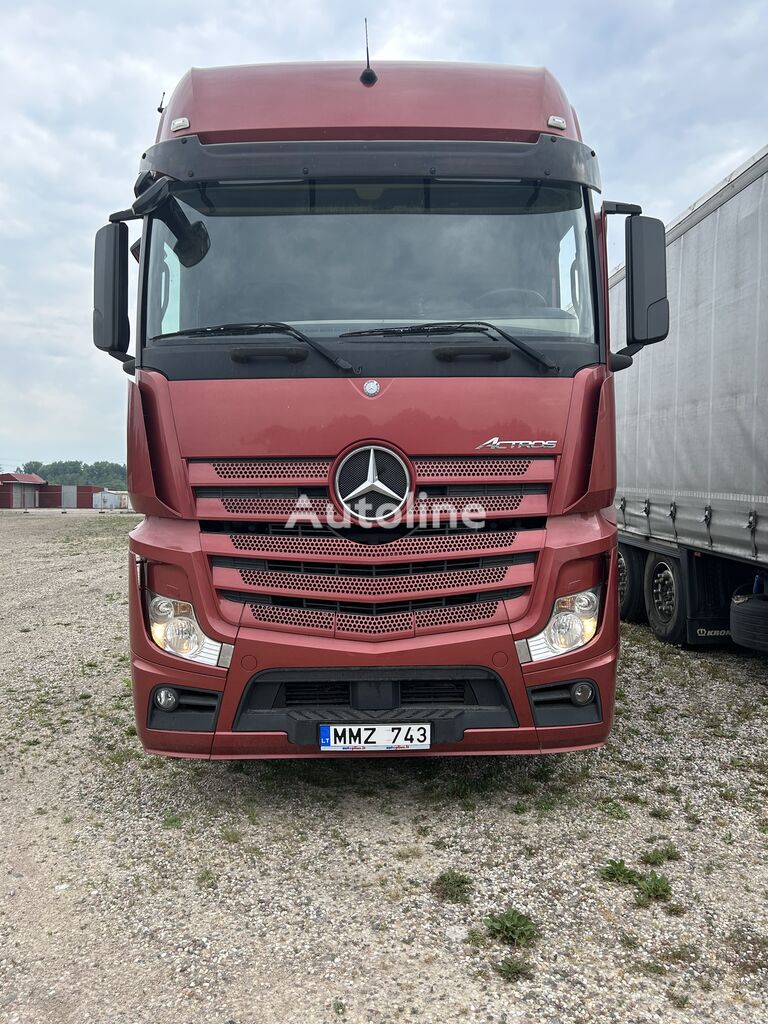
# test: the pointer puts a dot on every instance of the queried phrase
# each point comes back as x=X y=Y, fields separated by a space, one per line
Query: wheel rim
x=664 y=591
x=622 y=577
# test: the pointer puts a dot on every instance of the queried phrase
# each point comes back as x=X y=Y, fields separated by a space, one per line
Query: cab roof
x=410 y=100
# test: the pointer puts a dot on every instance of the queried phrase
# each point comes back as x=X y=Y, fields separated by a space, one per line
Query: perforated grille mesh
x=457 y=506
x=272 y=469
x=339 y=547
x=431 y=581
x=457 y=613
x=298 y=617
x=493 y=466
x=374 y=625
x=274 y=506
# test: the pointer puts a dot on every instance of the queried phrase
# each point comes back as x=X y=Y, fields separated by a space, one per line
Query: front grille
x=300 y=694
x=437 y=691
x=426 y=575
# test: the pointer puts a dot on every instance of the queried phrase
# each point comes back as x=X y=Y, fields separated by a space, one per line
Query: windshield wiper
x=458 y=327
x=267 y=327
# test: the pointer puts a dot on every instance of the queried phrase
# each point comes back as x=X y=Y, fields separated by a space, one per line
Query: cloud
x=671 y=94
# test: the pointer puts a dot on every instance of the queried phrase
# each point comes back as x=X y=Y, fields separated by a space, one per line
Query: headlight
x=573 y=624
x=175 y=629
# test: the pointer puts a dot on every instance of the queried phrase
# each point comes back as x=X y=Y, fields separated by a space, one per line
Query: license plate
x=408 y=736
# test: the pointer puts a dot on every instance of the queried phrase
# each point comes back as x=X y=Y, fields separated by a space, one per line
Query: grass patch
x=618 y=871
x=206 y=879
x=513 y=927
x=452 y=887
x=613 y=809
x=408 y=853
x=678 y=999
x=477 y=938
x=660 y=855
x=653 y=888
x=514 y=968
x=674 y=909
x=172 y=821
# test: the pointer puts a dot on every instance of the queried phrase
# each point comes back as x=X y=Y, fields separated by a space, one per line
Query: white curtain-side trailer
x=692 y=428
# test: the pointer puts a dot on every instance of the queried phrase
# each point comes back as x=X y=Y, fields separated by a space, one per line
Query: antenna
x=368 y=76
x=160 y=105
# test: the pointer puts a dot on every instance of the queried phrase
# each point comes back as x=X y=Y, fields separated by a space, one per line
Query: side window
x=568 y=286
x=170 y=291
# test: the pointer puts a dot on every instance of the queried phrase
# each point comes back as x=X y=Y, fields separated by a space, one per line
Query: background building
x=20 y=490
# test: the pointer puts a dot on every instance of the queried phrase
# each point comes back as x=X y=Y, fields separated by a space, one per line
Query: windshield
x=330 y=258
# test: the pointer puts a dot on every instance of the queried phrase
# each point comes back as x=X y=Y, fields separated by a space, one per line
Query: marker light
x=175 y=629
x=573 y=623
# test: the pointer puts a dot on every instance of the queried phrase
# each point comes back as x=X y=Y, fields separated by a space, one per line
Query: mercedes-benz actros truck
x=371 y=414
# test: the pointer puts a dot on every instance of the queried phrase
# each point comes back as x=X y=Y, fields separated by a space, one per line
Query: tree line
x=96 y=474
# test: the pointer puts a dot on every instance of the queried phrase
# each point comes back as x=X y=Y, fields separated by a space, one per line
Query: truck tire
x=749 y=619
x=631 y=601
x=665 y=598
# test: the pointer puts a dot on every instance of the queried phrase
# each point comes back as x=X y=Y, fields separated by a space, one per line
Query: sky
x=672 y=95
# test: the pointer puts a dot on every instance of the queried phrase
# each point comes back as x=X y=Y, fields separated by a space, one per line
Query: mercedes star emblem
x=372 y=483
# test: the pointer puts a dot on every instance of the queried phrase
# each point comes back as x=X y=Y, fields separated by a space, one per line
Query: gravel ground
x=137 y=889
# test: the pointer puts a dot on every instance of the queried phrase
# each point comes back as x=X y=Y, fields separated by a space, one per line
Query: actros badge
x=495 y=442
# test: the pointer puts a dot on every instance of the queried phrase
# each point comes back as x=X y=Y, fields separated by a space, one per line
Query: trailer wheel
x=665 y=598
x=631 y=601
x=749 y=619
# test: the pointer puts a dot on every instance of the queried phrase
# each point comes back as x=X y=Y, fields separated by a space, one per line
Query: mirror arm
x=121 y=215
x=628 y=209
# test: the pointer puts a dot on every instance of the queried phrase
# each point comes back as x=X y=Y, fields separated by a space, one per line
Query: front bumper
x=476 y=729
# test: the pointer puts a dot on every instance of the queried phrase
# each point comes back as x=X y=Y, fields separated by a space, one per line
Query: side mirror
x=111 y=327
x=646 y=260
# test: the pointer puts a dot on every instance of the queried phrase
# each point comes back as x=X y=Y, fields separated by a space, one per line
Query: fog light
x=166 y=698
x=582 y=693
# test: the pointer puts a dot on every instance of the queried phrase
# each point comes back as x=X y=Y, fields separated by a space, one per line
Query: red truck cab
x=372 y=428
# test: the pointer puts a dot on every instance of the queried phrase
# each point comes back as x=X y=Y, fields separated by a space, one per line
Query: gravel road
x=136 y=889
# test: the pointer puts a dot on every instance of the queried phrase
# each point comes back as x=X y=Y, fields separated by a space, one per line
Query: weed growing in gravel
x=206 y=879
x=613 y=809
x=477 y=938
x=512 y=927
x=514 y=968
x=452 y=886
x=339 y=1007
x=617 y=871
x=172 y=821
x=660 y=813
x=650 y=967
x=660 y=854
x=231 y=835
x=674 y=909
x=408 y=853
x=628 y=940
x=652 y=887
x=678 y=999
x=682 y=953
